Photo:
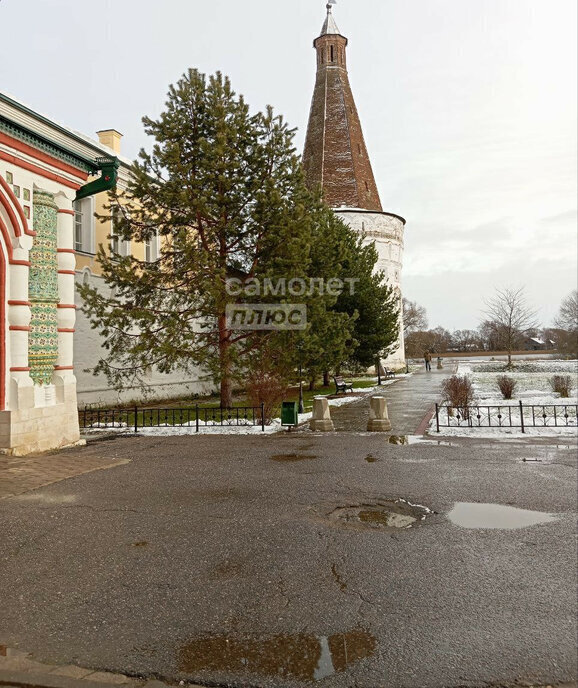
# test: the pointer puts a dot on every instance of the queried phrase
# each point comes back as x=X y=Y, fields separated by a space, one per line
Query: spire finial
x=329 y=26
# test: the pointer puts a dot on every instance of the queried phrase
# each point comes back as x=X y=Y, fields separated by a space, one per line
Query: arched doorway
x=2 y=328
x=13 y=231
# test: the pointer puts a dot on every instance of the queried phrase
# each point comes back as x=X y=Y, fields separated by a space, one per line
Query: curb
x=26 y=679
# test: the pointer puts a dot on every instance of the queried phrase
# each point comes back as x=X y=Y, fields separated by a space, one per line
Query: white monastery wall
x=91 y=389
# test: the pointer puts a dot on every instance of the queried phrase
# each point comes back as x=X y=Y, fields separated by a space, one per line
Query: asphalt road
x=205 y=559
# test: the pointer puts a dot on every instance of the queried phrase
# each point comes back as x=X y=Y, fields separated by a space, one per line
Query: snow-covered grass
x=189 y=429
x=503 y=433
x=545 y=413
x=532 y=381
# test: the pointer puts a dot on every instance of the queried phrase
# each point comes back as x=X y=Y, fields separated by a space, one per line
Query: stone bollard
x=378 y=416
x=440 y=364
x=321 y=419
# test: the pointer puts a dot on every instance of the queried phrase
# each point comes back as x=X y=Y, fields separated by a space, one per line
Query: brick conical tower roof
x=335 y=155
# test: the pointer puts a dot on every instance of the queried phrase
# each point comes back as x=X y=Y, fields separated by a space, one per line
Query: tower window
x=331 y=53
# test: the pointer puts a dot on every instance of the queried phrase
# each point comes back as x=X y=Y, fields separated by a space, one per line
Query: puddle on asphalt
x=385 y=518
x=227 y=569
x=292 y=457
x=301 y=656
x=381 y=514
x=493 y=516
x=416 y=439
x=399 y=439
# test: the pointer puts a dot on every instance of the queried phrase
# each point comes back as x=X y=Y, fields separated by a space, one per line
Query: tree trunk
x=311 y=384
x=326 y=382
x=225 y=364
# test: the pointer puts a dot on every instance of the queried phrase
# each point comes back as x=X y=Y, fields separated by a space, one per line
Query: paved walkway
x=409 y=401
x=22 y=474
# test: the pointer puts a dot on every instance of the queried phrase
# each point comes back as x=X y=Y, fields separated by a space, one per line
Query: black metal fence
x=198 y=417
x=517 y=416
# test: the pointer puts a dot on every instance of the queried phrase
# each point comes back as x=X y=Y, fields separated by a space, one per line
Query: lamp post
x=378 y=372
x=301 y=407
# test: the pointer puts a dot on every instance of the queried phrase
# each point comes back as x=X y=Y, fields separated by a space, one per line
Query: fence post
x=437 y=418
x=522 y=416
x=196 y=418
x=262 y=416
x=136 y=418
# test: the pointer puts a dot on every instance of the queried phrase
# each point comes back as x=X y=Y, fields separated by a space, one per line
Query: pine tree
x=362 y=322
x=225 y=192
x=374 y=302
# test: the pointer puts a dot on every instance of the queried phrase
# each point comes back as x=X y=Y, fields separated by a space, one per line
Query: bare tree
x=566 y=323
x=466 y=340
x=414 y=317
x=567 y=318
x=511 y=314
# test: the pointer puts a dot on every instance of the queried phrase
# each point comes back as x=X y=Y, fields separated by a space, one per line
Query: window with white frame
x=152 y=248
x=118 y=245
x=84 y=225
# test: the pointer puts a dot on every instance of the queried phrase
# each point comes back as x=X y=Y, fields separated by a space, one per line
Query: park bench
x=341 y=385
x=386 y=372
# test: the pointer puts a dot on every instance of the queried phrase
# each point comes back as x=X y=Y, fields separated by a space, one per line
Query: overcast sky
x=468 y=109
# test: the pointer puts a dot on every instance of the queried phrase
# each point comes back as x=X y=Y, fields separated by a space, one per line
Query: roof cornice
x=55 y=148
x=35 y=140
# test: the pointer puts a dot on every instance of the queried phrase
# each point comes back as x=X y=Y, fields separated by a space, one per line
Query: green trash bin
x=289 y=413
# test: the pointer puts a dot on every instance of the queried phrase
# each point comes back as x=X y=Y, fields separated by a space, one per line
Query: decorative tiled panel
x=43 y=256
x=43 y=290
x=43 y=342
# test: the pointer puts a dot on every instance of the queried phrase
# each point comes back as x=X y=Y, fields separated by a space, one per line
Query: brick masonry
x=335 y=155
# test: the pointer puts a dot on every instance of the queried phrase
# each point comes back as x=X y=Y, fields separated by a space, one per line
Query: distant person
x=427 y=359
